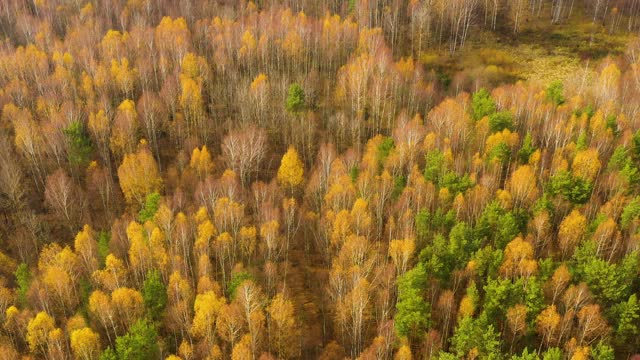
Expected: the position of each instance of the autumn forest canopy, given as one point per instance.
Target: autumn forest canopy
(319, 179)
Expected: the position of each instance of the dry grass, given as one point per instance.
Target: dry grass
(540, 53)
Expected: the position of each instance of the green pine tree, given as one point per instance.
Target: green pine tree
(154, 294)
(296, 99)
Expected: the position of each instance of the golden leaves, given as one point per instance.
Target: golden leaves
(139, 176)
(291, 171)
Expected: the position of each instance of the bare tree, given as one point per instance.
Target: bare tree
(243, 150)
(12, 189)
(64, 198)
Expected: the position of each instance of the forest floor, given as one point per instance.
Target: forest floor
(308, 293)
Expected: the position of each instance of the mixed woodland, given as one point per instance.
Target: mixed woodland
(319, 179)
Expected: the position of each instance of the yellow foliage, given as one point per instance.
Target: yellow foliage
(191, 97)
(206, 308)
(572, 229)
(467, 307)
(139, 176)
(547, 322)
(38, 331)
(128, 304)
(283, 323)
(85, 344)
(519, 259)
(361, 217)
(173, 36)
(112, 44)
(193, 66)
(248, 44)
(158, 249)
(404, 353)
(400, 252)
(248, 240)
(292, 44)
(586, 164)
(505, 136)
(114, 273)
(259, 82)
(205, 233)
(291, 171)
(201, 161)
(86, 246)
(123, 76)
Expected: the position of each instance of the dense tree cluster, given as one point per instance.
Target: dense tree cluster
(293, 179)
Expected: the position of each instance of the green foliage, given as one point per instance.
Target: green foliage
(573, 188)
(546, 268)
(631, 174)
(438, 221)
(472, 293)
(237, 279)
(109, 354)
(533, 297)
(412, 315)
(443, 256)
(580, 192)
(476, 333)
(500, 121)
(446, 356)
(602, 351)
(423, 223)
(443, 220)
(150, 207)
(621, 160)
(554, 92)
(612, 124)
(140, 342)
(154, 294)
(581, 143)
(588, 110)
(507, 230)
(79, 143)
(618, 158)
(526, 355)
(23, 279)
(456, 184)
(499, 295)
(497, 225)
(443, 77)
(435, 166)
(384, 149)
(610, 283)
(527, 149)
(482, 104)
(354, 172)
(352, 5)
(630, 212)
(295, 99)
(103, 246)
(593, 225)
(488, 261)
(635, 146)
(399, 183)
(85, 292)
(553, 353)
(543, 203)
(500, 153)
(627, 316)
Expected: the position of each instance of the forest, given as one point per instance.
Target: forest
(319, 179)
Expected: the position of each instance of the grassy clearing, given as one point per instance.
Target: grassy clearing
(541, 52)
